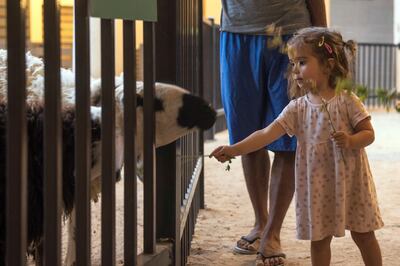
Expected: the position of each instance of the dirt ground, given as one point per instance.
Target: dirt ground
(228, 214)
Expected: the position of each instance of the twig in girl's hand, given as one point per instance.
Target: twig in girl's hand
(195, 156)
(325, 108)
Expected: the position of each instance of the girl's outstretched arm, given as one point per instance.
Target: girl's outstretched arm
(254, 142)
(363, 136)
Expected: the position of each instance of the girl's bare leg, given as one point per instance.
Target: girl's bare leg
(321, 252)
(369, 247)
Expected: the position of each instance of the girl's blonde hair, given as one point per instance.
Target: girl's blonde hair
(324, 44)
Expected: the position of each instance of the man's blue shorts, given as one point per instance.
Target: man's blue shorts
(253, 86)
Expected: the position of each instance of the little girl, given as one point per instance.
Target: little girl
(334, 186)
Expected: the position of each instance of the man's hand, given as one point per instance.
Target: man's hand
(223, 153)
(341, 139)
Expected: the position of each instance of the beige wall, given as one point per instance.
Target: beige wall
(36, 34)
(36, 18)
(95, 45)
(36, 30)
(212, 8)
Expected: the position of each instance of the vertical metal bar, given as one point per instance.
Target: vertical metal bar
(365, 74)
(82, 133)
(185, 45)
(380, 66)
(52, 135)
(186, 28)
(357, 69)
(392, 67)
(368, 69)
(149, 152)
(394, 48)
(168, 196)
(191, 57)
(200, 79)
(178, 201)
(182, 44)
(186, 240)
(130, 184)
(107, 143)
(16, 182)
(385, 74)
(374, 67)
(214, 69)
(186, 170)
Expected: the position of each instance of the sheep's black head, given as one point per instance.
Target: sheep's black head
(180, 113)
(195, 112)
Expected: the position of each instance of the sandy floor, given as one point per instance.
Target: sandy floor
(228, 214)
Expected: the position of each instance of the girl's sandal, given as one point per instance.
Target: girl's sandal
(273, 260)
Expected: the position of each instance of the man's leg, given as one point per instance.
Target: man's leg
(241, 56)
(256, 167)
(281, 193)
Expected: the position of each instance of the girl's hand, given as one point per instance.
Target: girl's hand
(223, 153)
(341, 139)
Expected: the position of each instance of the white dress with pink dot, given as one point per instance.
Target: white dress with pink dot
(334, 187)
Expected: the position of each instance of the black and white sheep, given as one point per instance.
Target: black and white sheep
(177, 112)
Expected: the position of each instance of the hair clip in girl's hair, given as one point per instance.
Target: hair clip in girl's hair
(328, 48)
(322, 41)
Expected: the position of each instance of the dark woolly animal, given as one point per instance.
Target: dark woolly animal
(35, 118)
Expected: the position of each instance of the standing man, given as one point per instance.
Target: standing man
(254, 92)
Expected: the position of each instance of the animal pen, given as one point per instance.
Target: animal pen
(173, 184)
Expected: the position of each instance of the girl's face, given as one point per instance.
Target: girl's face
(307, 71)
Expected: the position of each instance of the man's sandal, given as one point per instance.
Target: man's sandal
(247, 246)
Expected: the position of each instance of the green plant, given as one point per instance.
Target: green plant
(349, 86)
(361, 91)
(386, 97)
(346, 85)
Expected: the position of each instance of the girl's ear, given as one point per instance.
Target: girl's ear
(328, 66)
(331, 64)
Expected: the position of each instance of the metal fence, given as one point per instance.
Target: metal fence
(376, 68)
(174, 183)
(179, 49)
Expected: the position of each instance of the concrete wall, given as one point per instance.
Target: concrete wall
(396, 21)
(364, 20)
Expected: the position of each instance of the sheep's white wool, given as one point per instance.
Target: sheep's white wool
(35, 79)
